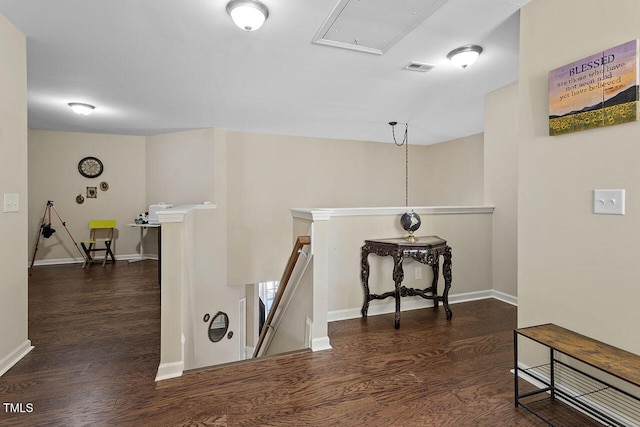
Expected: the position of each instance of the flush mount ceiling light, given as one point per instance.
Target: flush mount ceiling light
(82, 109)
(464, 56)
(248, 15)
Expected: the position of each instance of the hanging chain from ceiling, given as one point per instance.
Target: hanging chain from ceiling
(405, 142)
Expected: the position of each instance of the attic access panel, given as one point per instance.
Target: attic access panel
(373, 26)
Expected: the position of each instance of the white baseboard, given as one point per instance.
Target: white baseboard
(248, 352)
(415, 303)
(320, 344)
(63, 261)
(170, 370)
(501, 296)
(58, 261)
(14, 357)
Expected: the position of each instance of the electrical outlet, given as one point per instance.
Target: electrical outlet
(418, 273)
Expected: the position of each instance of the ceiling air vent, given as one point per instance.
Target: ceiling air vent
(417, 66)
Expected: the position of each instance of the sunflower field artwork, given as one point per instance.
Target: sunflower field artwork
(599, 90)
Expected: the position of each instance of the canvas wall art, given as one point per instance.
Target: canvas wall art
(599, 90)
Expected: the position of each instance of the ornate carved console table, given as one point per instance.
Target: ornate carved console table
(426, 250)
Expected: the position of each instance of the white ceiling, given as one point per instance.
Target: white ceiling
(160, 66)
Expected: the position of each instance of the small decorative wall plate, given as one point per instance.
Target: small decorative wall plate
(104, 185)
(92, 192)
(79, 199)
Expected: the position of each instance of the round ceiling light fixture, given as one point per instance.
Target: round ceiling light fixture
(464, 56)
(248, 15)
(81, 108)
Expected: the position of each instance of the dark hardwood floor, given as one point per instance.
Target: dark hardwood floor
(96, 338)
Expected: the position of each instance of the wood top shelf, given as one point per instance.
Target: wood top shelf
(619, 363)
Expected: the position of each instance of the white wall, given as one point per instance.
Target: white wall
(171, 306)
(576, 269)
(13, 180)
(53, 175)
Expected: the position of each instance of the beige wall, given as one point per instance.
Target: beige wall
(205, 291)
(576, 269)
(454, 172)
(501, 184)
(13, 180)
(269, 174)
(179, 167)
(182, 168)
(257, 178)
(469, 236)
(53, 175)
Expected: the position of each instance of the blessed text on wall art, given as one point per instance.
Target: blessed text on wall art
(600, 90)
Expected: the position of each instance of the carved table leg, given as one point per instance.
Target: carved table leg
(398, 276)
(446, 272)
(364, 277)
(435, 266)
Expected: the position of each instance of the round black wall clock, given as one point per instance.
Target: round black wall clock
(90, 167)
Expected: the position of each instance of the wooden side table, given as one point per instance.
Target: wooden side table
(426, 250)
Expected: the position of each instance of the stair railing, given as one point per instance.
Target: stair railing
(269, 325)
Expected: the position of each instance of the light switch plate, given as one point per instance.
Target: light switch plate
(11, 203)
(608, 202)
